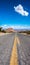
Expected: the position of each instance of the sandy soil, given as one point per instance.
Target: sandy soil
(3, 34)
(24, 33)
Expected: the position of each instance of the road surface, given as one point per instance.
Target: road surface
(6, 45)
(23, 49)
(19, 49)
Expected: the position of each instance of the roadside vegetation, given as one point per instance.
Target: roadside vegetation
(27, 32)
(2, 30)
(9, 30)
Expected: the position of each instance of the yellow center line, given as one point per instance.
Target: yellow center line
(14, 60)
(14, 56)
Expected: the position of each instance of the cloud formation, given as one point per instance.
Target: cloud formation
(19, 9)
(16, 26)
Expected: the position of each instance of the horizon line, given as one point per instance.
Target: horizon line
(5, 26)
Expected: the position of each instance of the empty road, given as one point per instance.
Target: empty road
(16, 47)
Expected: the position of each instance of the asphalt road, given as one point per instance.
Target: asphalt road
(23, 48)
(6, 45)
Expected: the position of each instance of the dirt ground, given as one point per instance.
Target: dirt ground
(3, 34)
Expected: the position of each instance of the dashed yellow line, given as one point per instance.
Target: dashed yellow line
(14, 56)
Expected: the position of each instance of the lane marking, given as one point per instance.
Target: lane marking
(18, 40)
(14, 55)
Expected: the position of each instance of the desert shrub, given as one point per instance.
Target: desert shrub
(28, 32)
(0, 29)
(3, 31)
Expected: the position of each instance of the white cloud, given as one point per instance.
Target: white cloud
(16, 26)
(5, 26)
(21, 10)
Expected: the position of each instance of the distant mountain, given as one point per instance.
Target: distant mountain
(22, 29)
(10, 30)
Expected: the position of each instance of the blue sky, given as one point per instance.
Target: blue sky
(15, 13)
